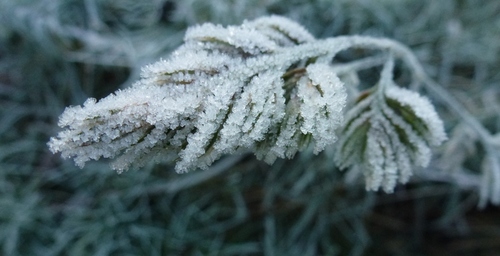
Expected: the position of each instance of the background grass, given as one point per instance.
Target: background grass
(55, 53)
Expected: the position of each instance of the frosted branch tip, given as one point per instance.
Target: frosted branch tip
(267, 87)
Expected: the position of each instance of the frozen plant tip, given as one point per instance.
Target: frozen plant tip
(268, 87)
(388, 132)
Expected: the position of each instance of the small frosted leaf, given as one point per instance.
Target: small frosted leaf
(420, 108)
(312, 114)
(185, 69)
(260, 106)
(118, 123)
(323, 98)
(243, 38)
(389, 139)
(283, 31)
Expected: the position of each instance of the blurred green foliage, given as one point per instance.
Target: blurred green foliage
(55, 53)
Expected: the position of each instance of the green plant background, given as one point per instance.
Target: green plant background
(55, 53)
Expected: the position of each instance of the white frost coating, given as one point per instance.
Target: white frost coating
(258, 108)
(323, 96)
(206, 63)
(283, 31)
(381, 168)
(242, 37)
(112, 125)
(423, 109)
(267, 87)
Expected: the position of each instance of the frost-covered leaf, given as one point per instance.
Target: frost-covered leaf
(130, 120)
(233, 39)
(312, 114)
(389, 132)
(282, 30)
(322, 96)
